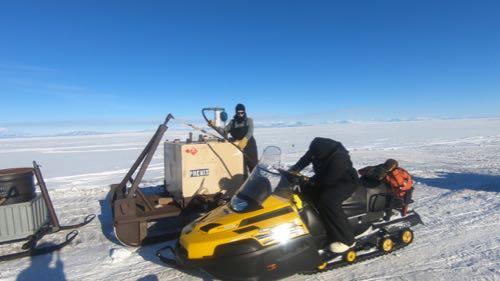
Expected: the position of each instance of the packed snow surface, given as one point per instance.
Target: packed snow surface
(456, 165)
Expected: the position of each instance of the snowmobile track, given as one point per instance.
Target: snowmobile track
(359, 259)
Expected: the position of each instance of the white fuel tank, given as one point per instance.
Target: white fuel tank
(204, 167)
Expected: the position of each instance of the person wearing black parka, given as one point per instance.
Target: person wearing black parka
(333, 182)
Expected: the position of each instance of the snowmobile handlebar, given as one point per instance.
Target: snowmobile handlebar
(295, 177)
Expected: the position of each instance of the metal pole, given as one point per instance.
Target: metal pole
(137, 162)
(143, 154)
(154, 144)
(46, 197)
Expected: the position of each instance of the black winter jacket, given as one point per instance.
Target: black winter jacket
(331, 164)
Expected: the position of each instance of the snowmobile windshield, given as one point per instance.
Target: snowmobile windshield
(262, 182)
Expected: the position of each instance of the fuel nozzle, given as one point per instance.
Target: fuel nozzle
(219, 117)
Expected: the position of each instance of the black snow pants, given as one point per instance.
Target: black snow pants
(251, 157)
(329, 205)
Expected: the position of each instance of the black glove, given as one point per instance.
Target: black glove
(296, 177)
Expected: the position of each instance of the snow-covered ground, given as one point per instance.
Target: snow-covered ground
(456, 164)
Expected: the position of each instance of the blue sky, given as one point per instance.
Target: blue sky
(131, 62)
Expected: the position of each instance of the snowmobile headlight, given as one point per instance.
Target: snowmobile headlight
(280, 234)
(238, 204)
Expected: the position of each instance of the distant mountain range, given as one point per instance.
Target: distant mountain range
(6, 133)
(13, 134)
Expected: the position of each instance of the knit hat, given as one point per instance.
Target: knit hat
(239, 107)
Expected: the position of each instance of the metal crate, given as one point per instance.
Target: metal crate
(20, 220)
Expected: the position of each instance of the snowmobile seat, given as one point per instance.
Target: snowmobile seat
(369, 182)
(366, 204)
(356, 203)
(377, 196)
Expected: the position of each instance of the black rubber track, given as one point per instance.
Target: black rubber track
(360, 258)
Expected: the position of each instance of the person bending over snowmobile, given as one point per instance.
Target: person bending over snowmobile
(334, 181)
(241, 129)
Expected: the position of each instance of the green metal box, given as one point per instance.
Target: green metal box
(20, 220)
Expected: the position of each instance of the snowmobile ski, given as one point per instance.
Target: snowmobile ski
(47, 230)
(42, 250)
(174, 263)
(86, 221)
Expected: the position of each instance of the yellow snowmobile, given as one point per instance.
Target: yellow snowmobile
(270, 230)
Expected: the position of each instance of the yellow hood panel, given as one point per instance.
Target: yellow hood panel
(201, 237)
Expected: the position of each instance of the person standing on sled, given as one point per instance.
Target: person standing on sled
(241, 130)
(334, 181)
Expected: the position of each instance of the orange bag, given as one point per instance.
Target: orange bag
(400, 181)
